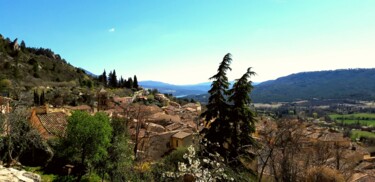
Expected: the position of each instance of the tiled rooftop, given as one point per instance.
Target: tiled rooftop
(55, 123)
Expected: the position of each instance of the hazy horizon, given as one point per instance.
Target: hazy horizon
(183, 42)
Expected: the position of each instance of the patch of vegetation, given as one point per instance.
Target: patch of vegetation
(45, 177)
(364, 119)
(361, 134)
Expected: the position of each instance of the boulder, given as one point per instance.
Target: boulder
(14, 175)
(174, 104)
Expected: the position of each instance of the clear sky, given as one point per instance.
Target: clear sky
(183, 41)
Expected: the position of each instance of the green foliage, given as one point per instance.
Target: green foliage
(91, 178)
(36, 66)
(364, 119)
(20, 135)
(119, 161)
(229, 120)
(87, 138)
(5, 84)
(168, 163)
(358, 134)
(135, 82)
(241, 118)
(112, 79)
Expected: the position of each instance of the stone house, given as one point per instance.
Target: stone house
(181, 139)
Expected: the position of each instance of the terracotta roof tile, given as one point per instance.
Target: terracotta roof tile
(55, 123)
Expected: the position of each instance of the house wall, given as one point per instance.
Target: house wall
(187, 141)
(175, 142)
(184, 142)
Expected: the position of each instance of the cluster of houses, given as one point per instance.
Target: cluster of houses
(319, 143)
(161, 129)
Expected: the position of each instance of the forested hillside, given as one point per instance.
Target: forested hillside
(355, 84)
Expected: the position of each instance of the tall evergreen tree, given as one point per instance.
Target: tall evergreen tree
(42, 98)
(103, 78)
(217, 110)
(110, 75)
(121, 83)
(135, 82)
(229, 120)
(114, 79)
(241, 118)
(36, 98)
(23, 45)
(129, 83)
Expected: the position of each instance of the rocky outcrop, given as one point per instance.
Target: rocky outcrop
(14, 175)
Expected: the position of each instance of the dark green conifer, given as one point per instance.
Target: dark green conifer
(135, 82)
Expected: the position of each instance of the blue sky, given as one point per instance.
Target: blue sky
(183, 41)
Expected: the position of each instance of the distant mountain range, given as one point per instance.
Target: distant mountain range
(177, 90)
(354, 84)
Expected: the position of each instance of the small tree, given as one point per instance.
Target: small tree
(20, 136)
(87, 139)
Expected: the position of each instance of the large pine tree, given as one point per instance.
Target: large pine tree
(241, 118)
(217, 125)
(229, 120)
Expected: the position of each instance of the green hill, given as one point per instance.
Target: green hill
(353, 84)
(356, 84)
(25, 67)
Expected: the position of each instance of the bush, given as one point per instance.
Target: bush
(65, 179)
(168, 163)
(91, 178)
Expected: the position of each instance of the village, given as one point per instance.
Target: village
(157, 131)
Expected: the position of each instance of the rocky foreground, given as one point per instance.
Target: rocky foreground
(14, 175)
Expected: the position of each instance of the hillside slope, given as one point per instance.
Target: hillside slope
(28, 67)
(358, 84)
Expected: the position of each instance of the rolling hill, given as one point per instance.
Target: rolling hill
(354, 84)
(26, 67)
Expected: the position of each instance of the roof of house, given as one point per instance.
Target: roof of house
(173, 126)
(81, 107)
(332, 137)
(55, 123)
(181, 135)
(102, 90)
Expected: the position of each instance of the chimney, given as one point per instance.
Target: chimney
(46, 107)
(7, 108)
